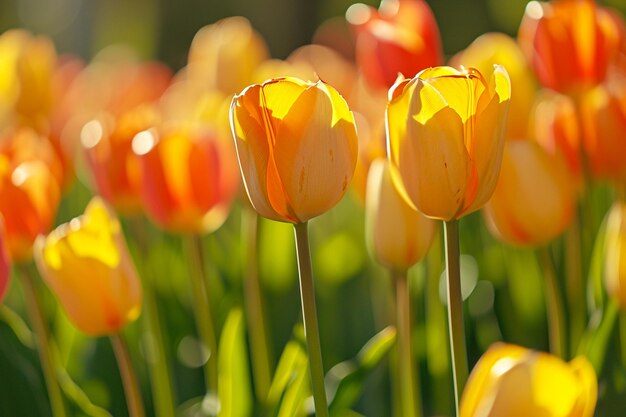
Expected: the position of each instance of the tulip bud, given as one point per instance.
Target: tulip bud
(87, 265)
(570, 43)
(5, 266)
(510, 380)
(401, 37)
(188, 178)
(398, 235)
(445, 133)
(615, 256)
(534, 200)
(297, 147)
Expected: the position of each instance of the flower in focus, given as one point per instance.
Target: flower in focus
(401, 37)
(497, 48)
(398, 235)
(570, 43)
(512, 381)
(297, 147)
(534, 200)
(615, 255)
(29, 198)
(5, 265)
(445, 131)
(87, 265)
(189, 177)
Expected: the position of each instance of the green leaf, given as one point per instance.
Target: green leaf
(234, 390)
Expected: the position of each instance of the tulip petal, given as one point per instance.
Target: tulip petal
(586, 375)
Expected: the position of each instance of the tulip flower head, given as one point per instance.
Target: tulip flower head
(445, 136)
(297, 147)
(87, 265)
(534, 200)
(512, 381)
(5, 266)
(398, 235)
(615, 257)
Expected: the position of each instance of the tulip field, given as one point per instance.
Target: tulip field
(404, 208)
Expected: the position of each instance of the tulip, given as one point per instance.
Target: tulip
(5, 265)
(398, 235)
(512, 381)
(570, 43)
(615, 256)
(297, 147)
(534, 200)
(401, 37)
(497, 48)
(189, 178)
(29, 198)
(87, 265)
(445, 131)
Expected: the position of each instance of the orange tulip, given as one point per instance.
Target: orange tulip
(398, 235)
(570, 43)
(497, 48)
(189, 178)
(5, 266)
(513, 381)
(297, 147)
(401, 37)
(445, 132)
(107, 145)
(87, 265)
(615, 255)
(29, 198)
(534, 200)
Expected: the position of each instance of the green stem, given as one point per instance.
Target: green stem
(48, 364)
(622, 336)
(257, 327)
(160, 375)
(455, 310)
(129, 378)
(575, 283)
(596, 339)
(554, 304)
(309, 316)
(408, 379)
(202, 310)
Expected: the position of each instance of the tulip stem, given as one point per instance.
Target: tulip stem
(202, 310)
(257, 327)
(554, 304)
(597, 336)
(309, 317)
(48, 364)
(408, 379)
(455, 310)
(128, 375)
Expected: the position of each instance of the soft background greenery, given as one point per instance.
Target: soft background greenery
(503, 285)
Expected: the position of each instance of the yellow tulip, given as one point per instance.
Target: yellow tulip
(615, 257)
(534, 200)
(512, 381)
(445, 132)
(297, 147)
(398, 235)
(87, 265)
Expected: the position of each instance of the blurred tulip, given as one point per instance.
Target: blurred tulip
(615, 255)
(398, 235)
(401, 37)
(445, 131)
(29, 198)
(87, 265)
(499, 49)
(556, 127)
(225, 55)
(5, 265)
(297, 147)
(534, 200)
(570, 43)
(513, 381)
(189, 178)
(107, 146)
